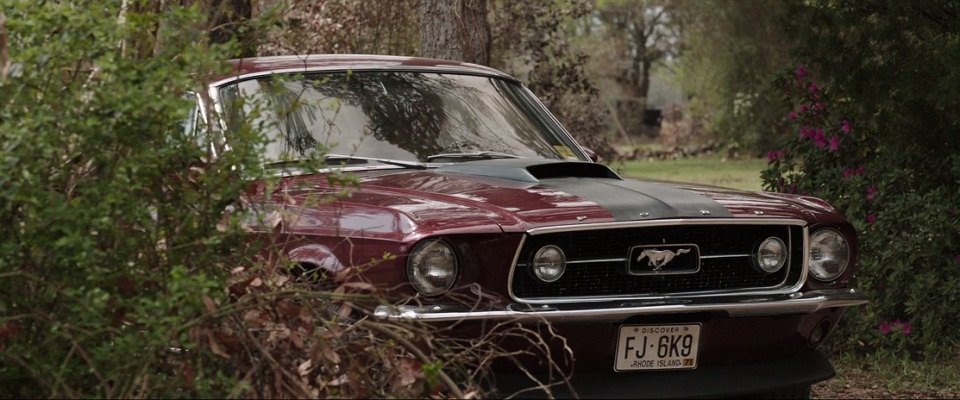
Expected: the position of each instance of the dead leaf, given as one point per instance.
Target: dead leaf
(331, 355)
(288, 308)
(253, 316)
(306, 316)
(215, 346)
(345, 310)
(297, 339)
(305, 368)
(209, 304)
(256, 282)
(408, 371)
(339, 380)
(188, 373)
(237, 270)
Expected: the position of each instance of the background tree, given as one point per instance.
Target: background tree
(455, 30)
(536, 42)
(341, 27)
(731, 54)
(638, 35)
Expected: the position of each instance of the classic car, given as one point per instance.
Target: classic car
(660, 289)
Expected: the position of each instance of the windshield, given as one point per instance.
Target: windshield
(412, 116)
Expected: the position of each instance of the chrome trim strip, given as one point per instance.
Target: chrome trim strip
(735, 306)
(771, 290)
(516, 258)
(604, 260)
(610, 260)
(666, 222)
(365, 68)
(725, 256)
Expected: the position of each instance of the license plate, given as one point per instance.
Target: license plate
(657, 347)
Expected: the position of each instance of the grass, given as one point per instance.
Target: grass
(714, 170)
(888, 375)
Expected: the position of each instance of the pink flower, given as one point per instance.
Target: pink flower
(819, 139)
(885, 328)
(845, 127)
(905, 328)
(871, 193)
(871, 219)
(834, 143)
(804, 108)
(812, 87)
(806, 133)
(775, 155)
(792, 115)
(819, 106)
(848, 172)
(800, 72)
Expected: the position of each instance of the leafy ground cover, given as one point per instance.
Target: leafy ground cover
(886, 375)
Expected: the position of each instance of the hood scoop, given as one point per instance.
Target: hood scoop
(531, 170)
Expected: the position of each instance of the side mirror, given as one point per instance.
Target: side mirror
(590, 153)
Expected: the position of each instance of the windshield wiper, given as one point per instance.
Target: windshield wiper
(341, 159)
(473, 155)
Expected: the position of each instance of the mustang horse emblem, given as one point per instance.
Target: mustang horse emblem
(659, 258)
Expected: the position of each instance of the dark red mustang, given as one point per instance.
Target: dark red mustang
(661, 289)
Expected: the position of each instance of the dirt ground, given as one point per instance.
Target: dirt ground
(859, 385)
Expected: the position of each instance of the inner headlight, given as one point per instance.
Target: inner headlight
(771, 255)
(549, 263)
(432, 267)
(829, 254)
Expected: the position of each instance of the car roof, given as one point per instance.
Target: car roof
(242, 68)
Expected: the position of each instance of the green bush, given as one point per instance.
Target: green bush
(125, 269)
(875, 122)
(108, 212)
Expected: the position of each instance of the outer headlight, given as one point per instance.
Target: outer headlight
(432, 267)
(771, 255)
(829, 254)
(549, 263)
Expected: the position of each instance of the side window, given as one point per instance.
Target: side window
(195, 125)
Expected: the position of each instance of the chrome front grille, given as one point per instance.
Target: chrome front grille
(597, 261)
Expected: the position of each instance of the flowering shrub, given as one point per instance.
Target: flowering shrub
(907, 221)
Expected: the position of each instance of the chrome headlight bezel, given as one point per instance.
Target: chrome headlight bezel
(542, 271)
(829, 254)
(769, 245)
(436, 257)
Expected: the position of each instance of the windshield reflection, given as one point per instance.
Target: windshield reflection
(393, 115)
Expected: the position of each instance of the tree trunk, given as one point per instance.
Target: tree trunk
(455, 30)
(228, 18)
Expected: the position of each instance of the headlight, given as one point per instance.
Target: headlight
(829, 254)
(771, 255)
(549, 263)
(432, 267)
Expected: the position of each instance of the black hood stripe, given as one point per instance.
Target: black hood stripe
(636, 200)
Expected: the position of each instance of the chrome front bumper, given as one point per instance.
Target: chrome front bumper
(734, 305)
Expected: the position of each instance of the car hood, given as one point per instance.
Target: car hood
(493, 196)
